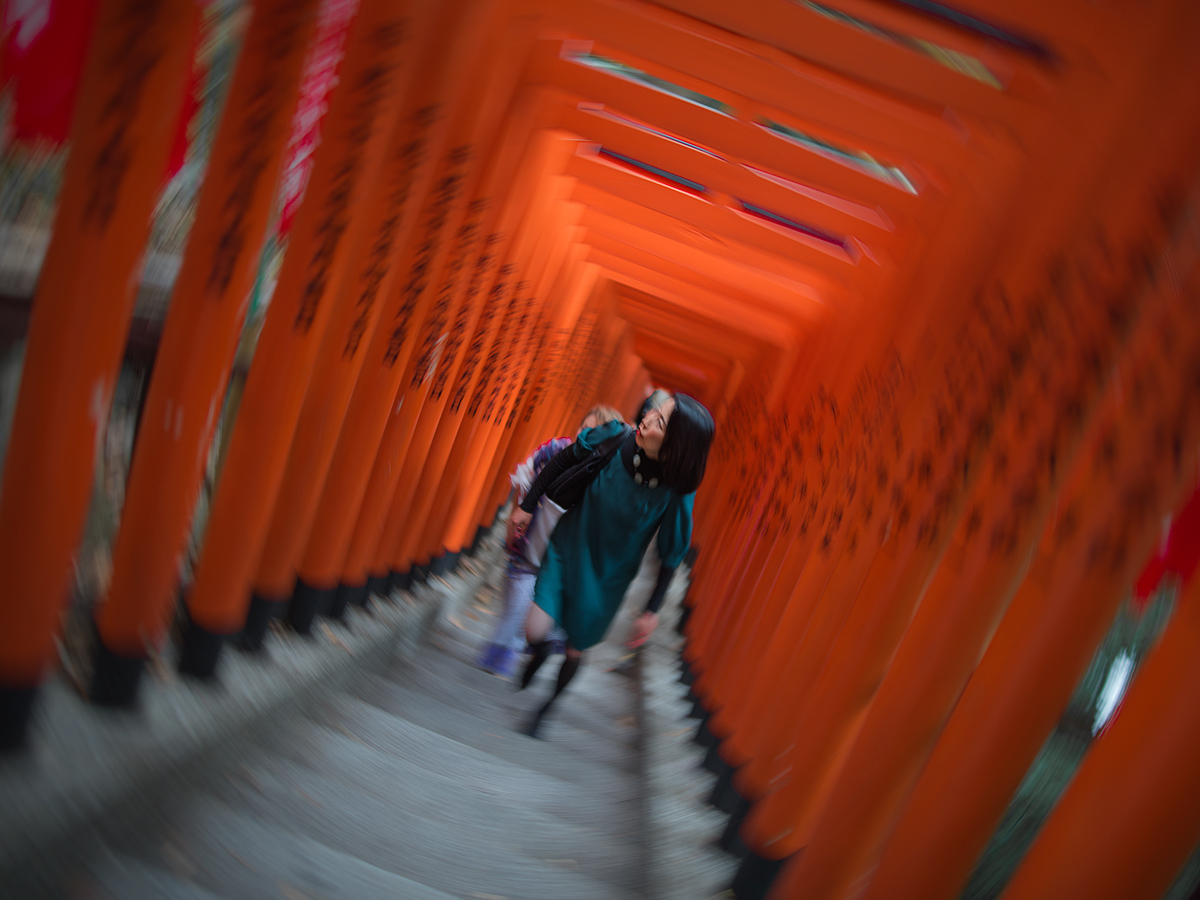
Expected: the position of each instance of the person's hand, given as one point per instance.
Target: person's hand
(518, 521)
(643, 627)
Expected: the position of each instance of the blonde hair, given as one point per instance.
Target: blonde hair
(604, 415)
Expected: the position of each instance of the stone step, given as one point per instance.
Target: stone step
(476, 815)
(511, 759)
(592, 723)
(215, 850)
(436, 831)
(122, 877)
(322, 747)
(409, 782)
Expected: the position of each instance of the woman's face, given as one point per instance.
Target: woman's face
(590, 421)
(653, 429)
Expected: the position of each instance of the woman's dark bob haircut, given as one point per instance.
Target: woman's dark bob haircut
(684, 453)
(655, 401)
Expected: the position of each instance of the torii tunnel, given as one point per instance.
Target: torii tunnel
(932, 267)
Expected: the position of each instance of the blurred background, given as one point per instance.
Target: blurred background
(334, 268)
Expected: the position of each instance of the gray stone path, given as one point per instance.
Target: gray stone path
(395, 770)
(410, 783)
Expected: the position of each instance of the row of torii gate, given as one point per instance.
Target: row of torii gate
(933, 268)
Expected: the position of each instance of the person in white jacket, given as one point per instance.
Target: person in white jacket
(503, 651)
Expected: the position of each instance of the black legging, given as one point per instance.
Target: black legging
(570, 665)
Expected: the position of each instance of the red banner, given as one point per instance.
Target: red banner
(1179, 554)
(45, 43)
(320, 75)
(191, 105)
(45, 47)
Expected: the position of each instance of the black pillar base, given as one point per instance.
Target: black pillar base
(725, 795)
(323, 600)
(115, 678)
(714, 762)
(450, 561)
(755, 876)
(16, 712)
(401, 581)
(477, 540)
(379, 586)
(200, 651)
(420, 574)
(685, 613)
(704, 737)
(731, 837)
(258, 620)
(351, 595)
(437, 565)
(698, 710)
(302, 610)
(687, 676)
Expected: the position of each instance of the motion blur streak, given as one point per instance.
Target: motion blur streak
(288, 290)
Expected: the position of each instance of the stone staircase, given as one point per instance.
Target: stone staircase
(374, 760)
(411, 782)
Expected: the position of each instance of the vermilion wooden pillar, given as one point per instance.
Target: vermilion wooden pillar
(533, 419)
(563, 260)
(1056, 619)
(353, 142)
(436, 536)
(406, 442)
(389, 216)
(545, 262)
(198, 343)
(960, 607)
(888, 599)
(783, 575)
(1130, 817)
(447, 243)
(369, 534)
(848, 815)
(812, 586)
(471, 437)
(492, 332)
(456, 428)
(132, 88)
(413, 518)
(506, 453)
(391, 348)
(423, 532)
(437, 418)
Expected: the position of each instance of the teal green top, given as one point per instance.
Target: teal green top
(598, 545)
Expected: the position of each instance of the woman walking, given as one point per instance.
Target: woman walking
(525, 552)
(649, 485)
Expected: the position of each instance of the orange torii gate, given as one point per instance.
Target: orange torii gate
(933, 268)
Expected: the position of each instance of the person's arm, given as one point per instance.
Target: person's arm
(527, 471)
(523, 477)
(644, 625)
(559, 463)
(547, 472)
(674, 538)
